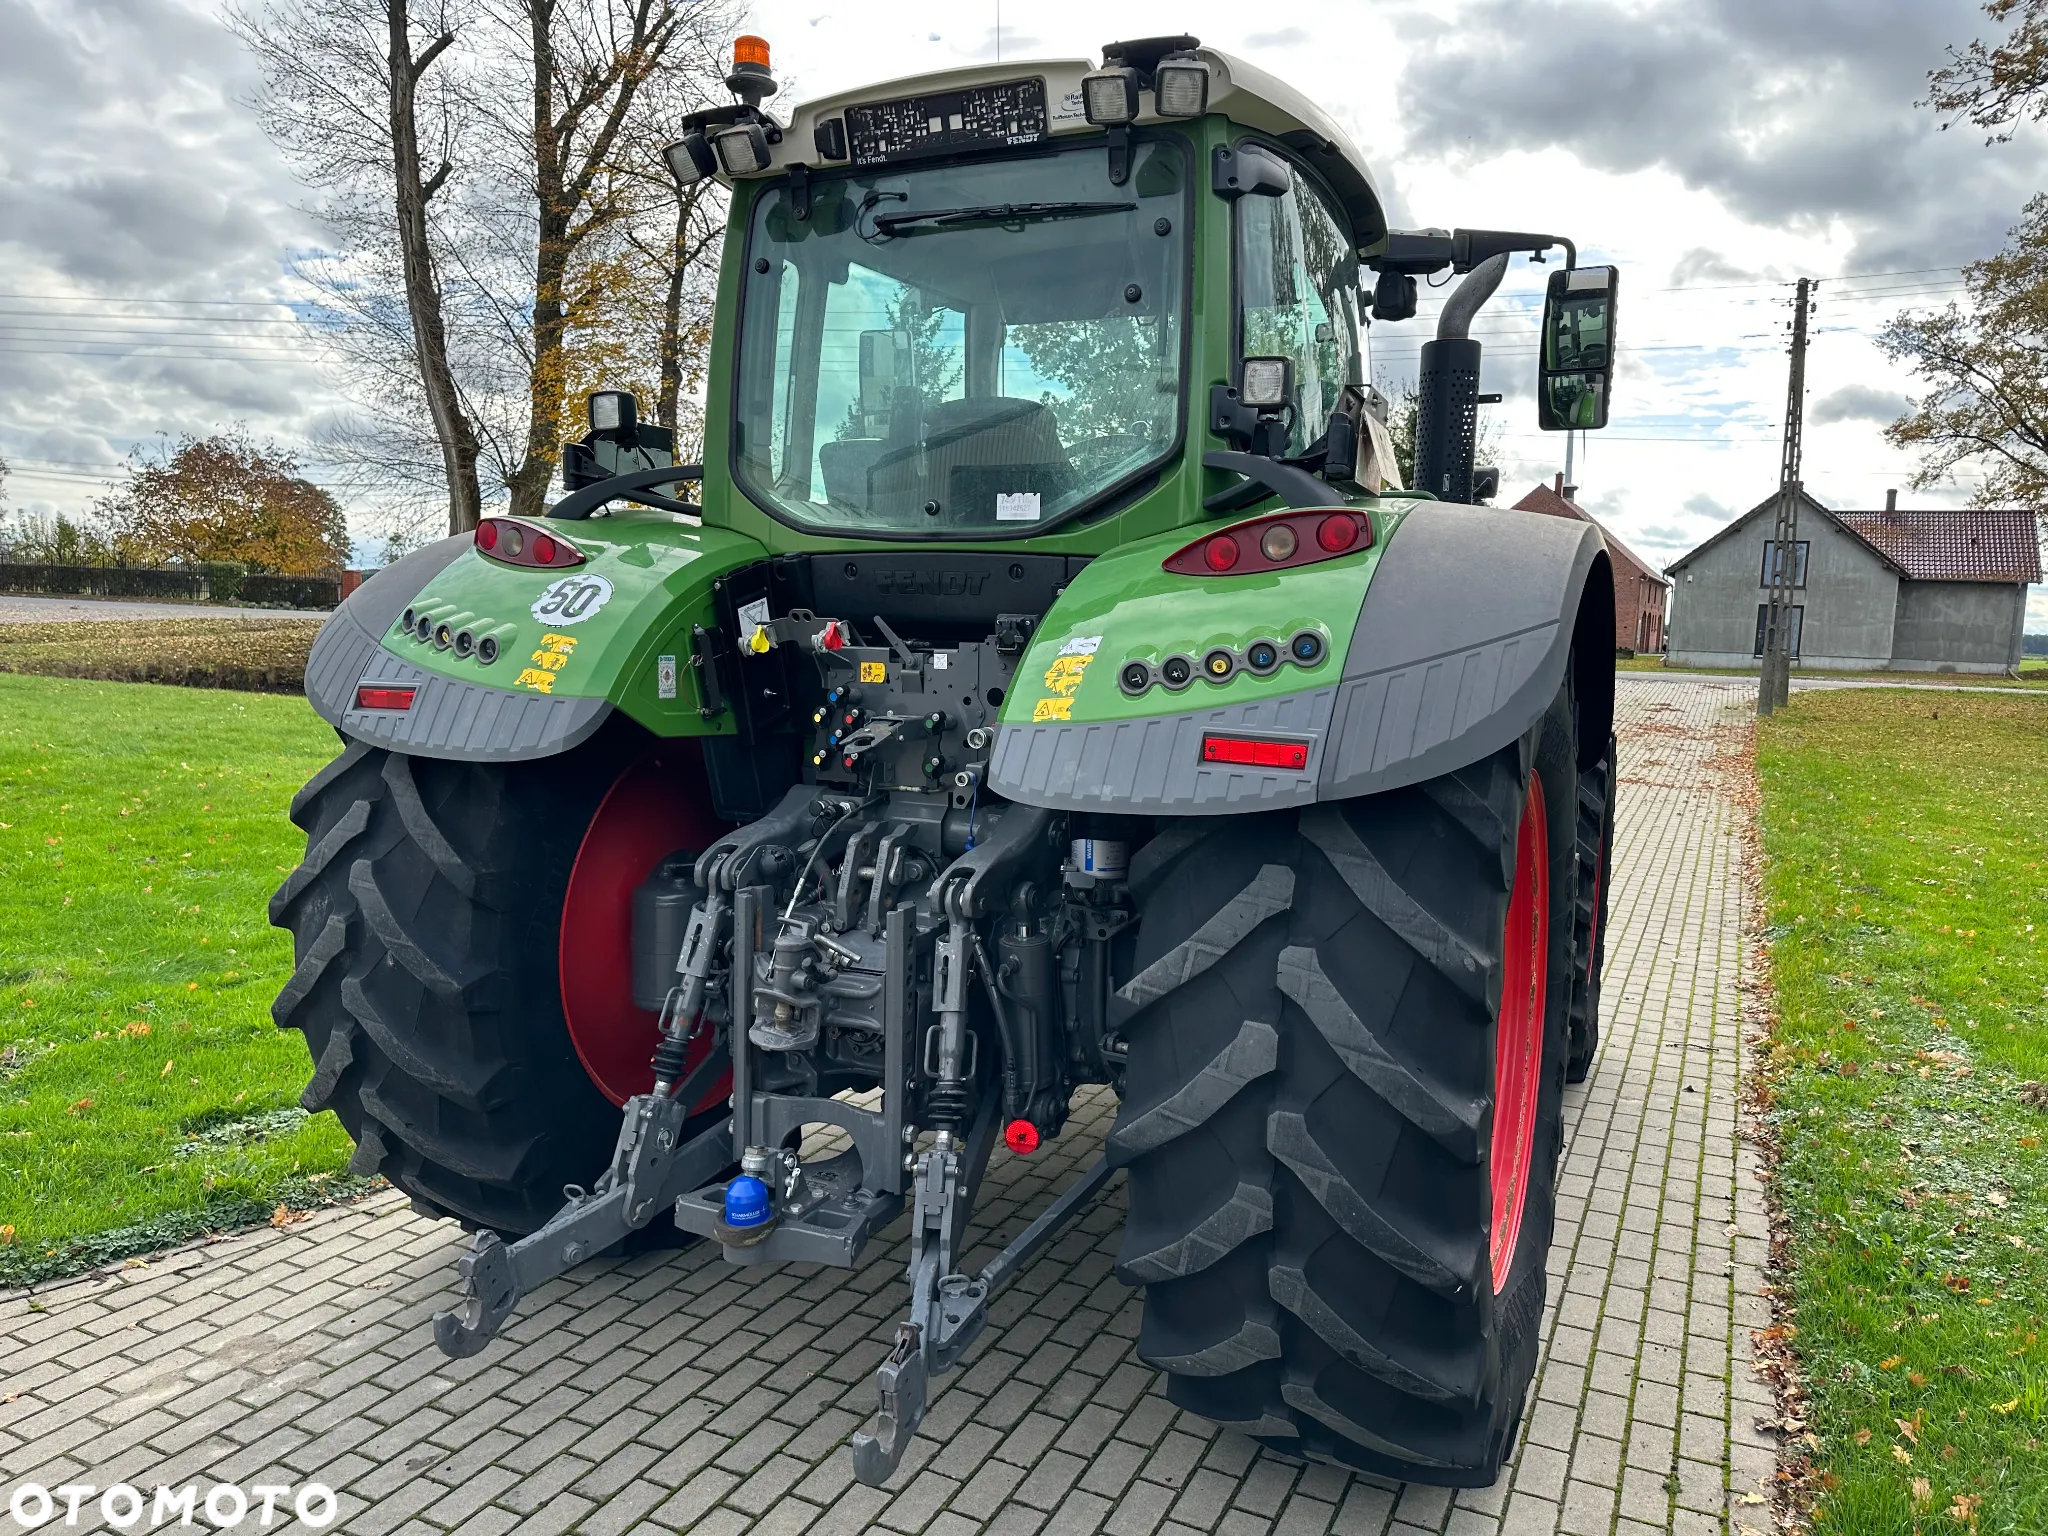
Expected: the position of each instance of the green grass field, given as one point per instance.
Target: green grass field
(1907, 892)
(145, 1096)
(2033, 673)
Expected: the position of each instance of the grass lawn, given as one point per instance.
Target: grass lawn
(145, 1095)
(1907, 896)
(265, 655)
(2033, 674)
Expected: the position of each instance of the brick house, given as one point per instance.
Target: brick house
(1915, 591)
(1640, 590)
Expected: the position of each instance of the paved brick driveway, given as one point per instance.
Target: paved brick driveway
(679, 1394)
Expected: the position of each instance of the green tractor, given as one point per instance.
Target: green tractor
(1043, 681)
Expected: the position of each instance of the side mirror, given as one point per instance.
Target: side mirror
(1578, 349)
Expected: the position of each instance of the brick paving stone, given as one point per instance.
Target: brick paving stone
(669, 1392)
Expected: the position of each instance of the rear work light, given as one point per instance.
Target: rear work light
(1255, 751)
(1275, 543)
(373, 696)
(509, 540)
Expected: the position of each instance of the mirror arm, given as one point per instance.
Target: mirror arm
(580, 504)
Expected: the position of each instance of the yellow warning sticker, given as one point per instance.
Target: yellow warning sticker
(1064, 676)
(874, 672)
(1053, 709)
(552, 655)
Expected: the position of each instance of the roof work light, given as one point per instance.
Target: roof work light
(1180, 86)
(690, 159)
(1110, 96)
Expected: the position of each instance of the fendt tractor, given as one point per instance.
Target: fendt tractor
(1043, 681)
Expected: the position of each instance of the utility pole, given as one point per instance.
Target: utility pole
(1774, 682)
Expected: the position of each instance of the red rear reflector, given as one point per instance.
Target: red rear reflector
(1220, 553)
(1254, 752)
(1021, 1137)
(384, 698)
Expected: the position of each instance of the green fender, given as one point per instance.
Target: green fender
(570, 646)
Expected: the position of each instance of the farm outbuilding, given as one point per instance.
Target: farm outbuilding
(1938, 590)
(1639, 590)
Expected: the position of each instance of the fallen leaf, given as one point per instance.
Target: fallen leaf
(2006, 1407)
(1899, 1455)
(6, 1235)
(1908, 1429)
(1994, 1197)
(1915, 1380)
(1923, 1491)
(1863, 1437)
(167, 1068)
(1889, 1365)
(79, 1107)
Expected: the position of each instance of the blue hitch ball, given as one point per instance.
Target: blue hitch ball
(746, 1202)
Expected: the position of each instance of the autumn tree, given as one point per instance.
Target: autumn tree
(1996, 87)
(1985, 361)
(225, 497)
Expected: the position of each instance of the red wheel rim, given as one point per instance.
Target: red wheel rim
(659, 806)
(1518, 1040)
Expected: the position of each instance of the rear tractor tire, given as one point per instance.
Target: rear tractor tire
(1347, 1031)
(1595, 837)
(436, 941)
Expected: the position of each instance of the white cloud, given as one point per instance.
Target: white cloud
(1711, 148)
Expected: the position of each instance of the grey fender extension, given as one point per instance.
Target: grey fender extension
(1459, 648)
(450, 717)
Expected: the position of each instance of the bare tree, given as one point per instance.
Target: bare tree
(600, 79)
(347, 88)
(506, 236)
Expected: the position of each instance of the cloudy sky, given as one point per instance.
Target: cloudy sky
(1714, 149)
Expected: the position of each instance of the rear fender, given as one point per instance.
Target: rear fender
(1447, 641)
(1473, 619)
(559, 674)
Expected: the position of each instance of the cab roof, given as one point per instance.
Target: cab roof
(1240, 91)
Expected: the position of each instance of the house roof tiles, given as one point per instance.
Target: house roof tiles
(1955, 544)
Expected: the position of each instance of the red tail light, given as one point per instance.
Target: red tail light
(370, 696)
(513, 542)
(1275, 543)
(1021, 1137)
(1255, 751)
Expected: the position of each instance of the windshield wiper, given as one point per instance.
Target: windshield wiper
(997, 213)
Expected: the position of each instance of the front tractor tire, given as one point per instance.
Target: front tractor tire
(1347, 1032)
(435, 941)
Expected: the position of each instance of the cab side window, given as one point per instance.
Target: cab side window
(1297, 285)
